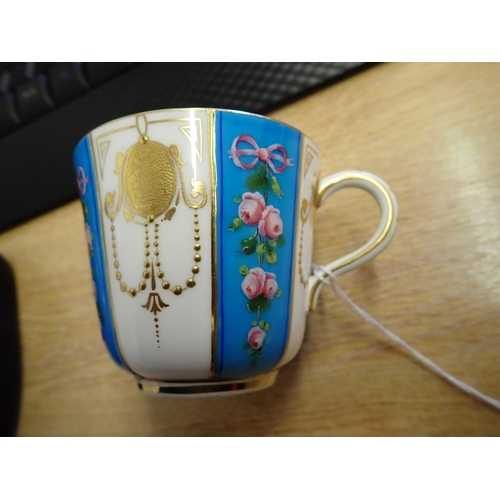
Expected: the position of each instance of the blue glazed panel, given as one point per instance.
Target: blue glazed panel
(236, 357)
(93, 230)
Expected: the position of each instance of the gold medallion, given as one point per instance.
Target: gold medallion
(149, 178)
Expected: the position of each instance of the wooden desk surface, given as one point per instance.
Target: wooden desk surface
(432, 131)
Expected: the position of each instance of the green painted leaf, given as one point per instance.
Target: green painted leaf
(272, 243)
(85, 211)
(265, 304)
(261, 248)
(266, 185)
(280, 241)
(254, 182)
(266, 327)
(261, 169)
(248, 245)
(261, 302)
(237, 222)
(278, 293)
(253, 305)
(262, 323)
(237, 199)
(271, 256)
(254, 323)
(244, 270)
(248, 242)
(276, 187)
(246, 345)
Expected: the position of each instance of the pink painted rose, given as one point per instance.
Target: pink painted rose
(251, 208)
(256, 337)
(253, 283)
(257, 281)
(88, 235)
(270, 224)
(270, 286)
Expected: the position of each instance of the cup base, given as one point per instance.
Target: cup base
(207, 389)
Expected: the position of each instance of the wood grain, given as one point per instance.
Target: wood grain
(432, 132)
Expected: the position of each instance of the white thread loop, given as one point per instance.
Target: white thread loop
(329, 279)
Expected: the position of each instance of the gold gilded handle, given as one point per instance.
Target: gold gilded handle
(388, 218)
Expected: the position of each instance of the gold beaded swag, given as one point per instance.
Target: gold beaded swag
(147, 186)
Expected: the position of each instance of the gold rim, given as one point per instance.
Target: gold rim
(208, 388)
(236, 111)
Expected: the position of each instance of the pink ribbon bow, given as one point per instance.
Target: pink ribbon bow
(266, 155)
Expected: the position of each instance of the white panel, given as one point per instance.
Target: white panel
(185, 326)
(309, 171)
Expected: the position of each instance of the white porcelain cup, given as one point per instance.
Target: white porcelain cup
(199, 228)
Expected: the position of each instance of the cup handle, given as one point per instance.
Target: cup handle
(388, 218)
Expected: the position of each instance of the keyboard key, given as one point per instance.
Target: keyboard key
(32, 98)
(98, 71)
(18, 74)
(66, 80)
(8, 117)
(42, 67)
(4, 66)
(4, 80)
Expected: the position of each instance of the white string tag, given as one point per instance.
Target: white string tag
(329, 279)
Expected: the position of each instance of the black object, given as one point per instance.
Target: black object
(32, 98)
(10, 353)
(66, 80)
(46, 108)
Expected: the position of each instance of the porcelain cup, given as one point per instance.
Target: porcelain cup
(199, 225)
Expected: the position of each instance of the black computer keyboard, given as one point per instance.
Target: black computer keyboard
(45, 109)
